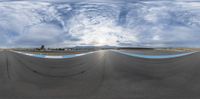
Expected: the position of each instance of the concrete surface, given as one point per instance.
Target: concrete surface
(100, 75)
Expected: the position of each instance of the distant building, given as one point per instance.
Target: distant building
(42, 47)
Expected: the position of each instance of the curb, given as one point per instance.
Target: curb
(155, 56)
(53, 57)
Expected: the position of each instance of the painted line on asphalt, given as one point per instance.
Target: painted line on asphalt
(155, 56)
(53, 57)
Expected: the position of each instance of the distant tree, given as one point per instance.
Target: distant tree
(37, 49)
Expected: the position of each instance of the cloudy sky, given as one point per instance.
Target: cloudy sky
(116, 23)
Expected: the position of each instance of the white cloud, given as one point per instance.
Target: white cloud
(95, 29)
(43, 33)
(31, 23)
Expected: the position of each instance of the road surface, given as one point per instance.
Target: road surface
(100, 75)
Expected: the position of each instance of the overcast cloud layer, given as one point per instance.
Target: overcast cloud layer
(143, 23)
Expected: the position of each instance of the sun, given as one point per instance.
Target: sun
(101, 42)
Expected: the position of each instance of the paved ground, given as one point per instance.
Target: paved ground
(101, 75)
(154, 52)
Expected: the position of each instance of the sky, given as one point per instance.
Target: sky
(130, 23)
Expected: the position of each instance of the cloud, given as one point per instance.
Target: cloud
(47, 34)
(141, 23)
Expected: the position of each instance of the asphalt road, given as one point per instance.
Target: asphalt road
(100, 75)
(153, 52)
